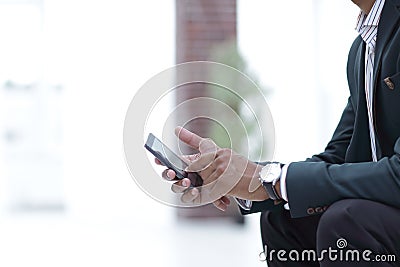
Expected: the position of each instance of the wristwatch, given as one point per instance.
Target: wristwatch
(269, 175)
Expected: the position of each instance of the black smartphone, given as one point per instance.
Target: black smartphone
(171, 160)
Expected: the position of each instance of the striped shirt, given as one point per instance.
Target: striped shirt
(367, 27)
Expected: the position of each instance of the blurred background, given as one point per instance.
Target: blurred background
(68, 71)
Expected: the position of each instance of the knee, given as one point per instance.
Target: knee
(339, 218)
(336, 213)
(342, 212)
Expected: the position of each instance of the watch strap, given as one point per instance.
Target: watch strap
(270, 186)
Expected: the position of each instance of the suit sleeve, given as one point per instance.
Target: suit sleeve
(318, 182)
(334, 153)
(314, 185)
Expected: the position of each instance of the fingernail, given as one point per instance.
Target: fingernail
(185, 183)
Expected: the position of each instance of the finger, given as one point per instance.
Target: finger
(158, 162)
(190, 158)
(191, 196)
(221, 205)
(188, 137)
(180, 186)
(168, 174)
(226, 200)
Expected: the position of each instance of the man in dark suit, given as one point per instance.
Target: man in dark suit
(348, 197)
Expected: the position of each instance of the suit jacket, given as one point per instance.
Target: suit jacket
(345, 169)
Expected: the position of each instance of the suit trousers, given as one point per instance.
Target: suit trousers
(351, 232)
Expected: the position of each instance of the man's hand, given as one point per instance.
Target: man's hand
(183, 185)
(208, 149)
(223, 171)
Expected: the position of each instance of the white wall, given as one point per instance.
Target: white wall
(102, 52)
(299, 50)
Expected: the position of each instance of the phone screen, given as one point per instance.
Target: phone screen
(167, 153)
(171, 160)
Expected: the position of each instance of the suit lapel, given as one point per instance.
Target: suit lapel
(389, 19)
(359, 148)
(360, 73)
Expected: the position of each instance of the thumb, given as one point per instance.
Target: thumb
(202, 162)
(207, 145)
(208, 151)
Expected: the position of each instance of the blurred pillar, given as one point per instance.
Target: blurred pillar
(201, 25)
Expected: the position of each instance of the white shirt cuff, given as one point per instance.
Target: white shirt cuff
(244, 203)
(283, 185)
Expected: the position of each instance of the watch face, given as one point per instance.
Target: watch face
(270, 172)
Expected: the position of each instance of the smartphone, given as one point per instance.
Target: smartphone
(171, 160)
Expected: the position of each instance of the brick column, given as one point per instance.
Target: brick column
(200, 26)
